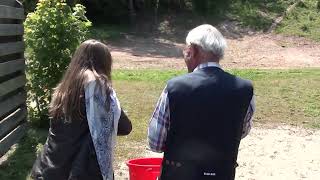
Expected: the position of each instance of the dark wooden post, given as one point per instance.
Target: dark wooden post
(13, 111)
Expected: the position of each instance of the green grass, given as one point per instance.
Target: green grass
(21, 157)
(257, 14)
(283, 96)
(290, 97)
(304, 21)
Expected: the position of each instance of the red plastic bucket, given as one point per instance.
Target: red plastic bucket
(144, 168)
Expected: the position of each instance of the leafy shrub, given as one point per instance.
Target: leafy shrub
(52, 33)
(30, 5)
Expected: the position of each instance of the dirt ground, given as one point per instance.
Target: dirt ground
(281, 153)
(259, 50)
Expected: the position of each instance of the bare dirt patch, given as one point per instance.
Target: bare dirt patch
(257, 50)
(271, 51)
(279, 153)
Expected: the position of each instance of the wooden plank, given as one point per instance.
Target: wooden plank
(12, 138)
(12, 66)
(11, 29)
(7, 12)
(11, 121)
(11, 103)
(12, 84)
(8, 2)
(11, 48)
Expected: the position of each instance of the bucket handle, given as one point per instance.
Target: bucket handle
(149, 169)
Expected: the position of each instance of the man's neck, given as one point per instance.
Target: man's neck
(208, 57)
(207, 64)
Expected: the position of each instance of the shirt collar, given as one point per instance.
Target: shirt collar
(207, 64)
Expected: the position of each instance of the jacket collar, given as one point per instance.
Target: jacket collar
(207, 64)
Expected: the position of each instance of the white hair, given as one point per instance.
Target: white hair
(208, 38)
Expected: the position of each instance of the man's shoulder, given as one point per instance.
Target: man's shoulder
(181, 80)
(240, 81)
(188, 80)
(244, 82)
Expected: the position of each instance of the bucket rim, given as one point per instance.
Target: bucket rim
(129, 163)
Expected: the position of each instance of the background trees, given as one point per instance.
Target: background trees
(111, 10)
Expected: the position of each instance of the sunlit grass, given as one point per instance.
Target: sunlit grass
(303, 21)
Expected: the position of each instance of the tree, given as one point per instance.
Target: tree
(52, 33)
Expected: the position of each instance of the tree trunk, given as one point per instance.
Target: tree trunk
(178, 4)
(132, 12)
(38, 105)
(156, 9)
(183, 4)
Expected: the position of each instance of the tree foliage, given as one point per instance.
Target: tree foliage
(106, 10)
(118, 11)
(29, 5)
(52, 34)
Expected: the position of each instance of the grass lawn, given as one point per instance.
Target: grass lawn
(303, 21)
(283, 97)
(257, 14)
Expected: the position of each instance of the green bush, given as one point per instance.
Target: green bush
(52, 33)
(30, 5)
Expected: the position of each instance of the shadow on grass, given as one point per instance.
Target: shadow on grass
(108, 32)
(20, 159)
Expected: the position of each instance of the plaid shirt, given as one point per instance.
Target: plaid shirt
(160, 120)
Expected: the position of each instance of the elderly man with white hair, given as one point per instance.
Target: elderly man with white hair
(201, 116)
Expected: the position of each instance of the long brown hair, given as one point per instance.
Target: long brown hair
(68, 96)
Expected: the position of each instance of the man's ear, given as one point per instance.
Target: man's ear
(194, 51)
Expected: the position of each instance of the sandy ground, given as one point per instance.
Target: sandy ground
(248, 51)
(281, 153)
